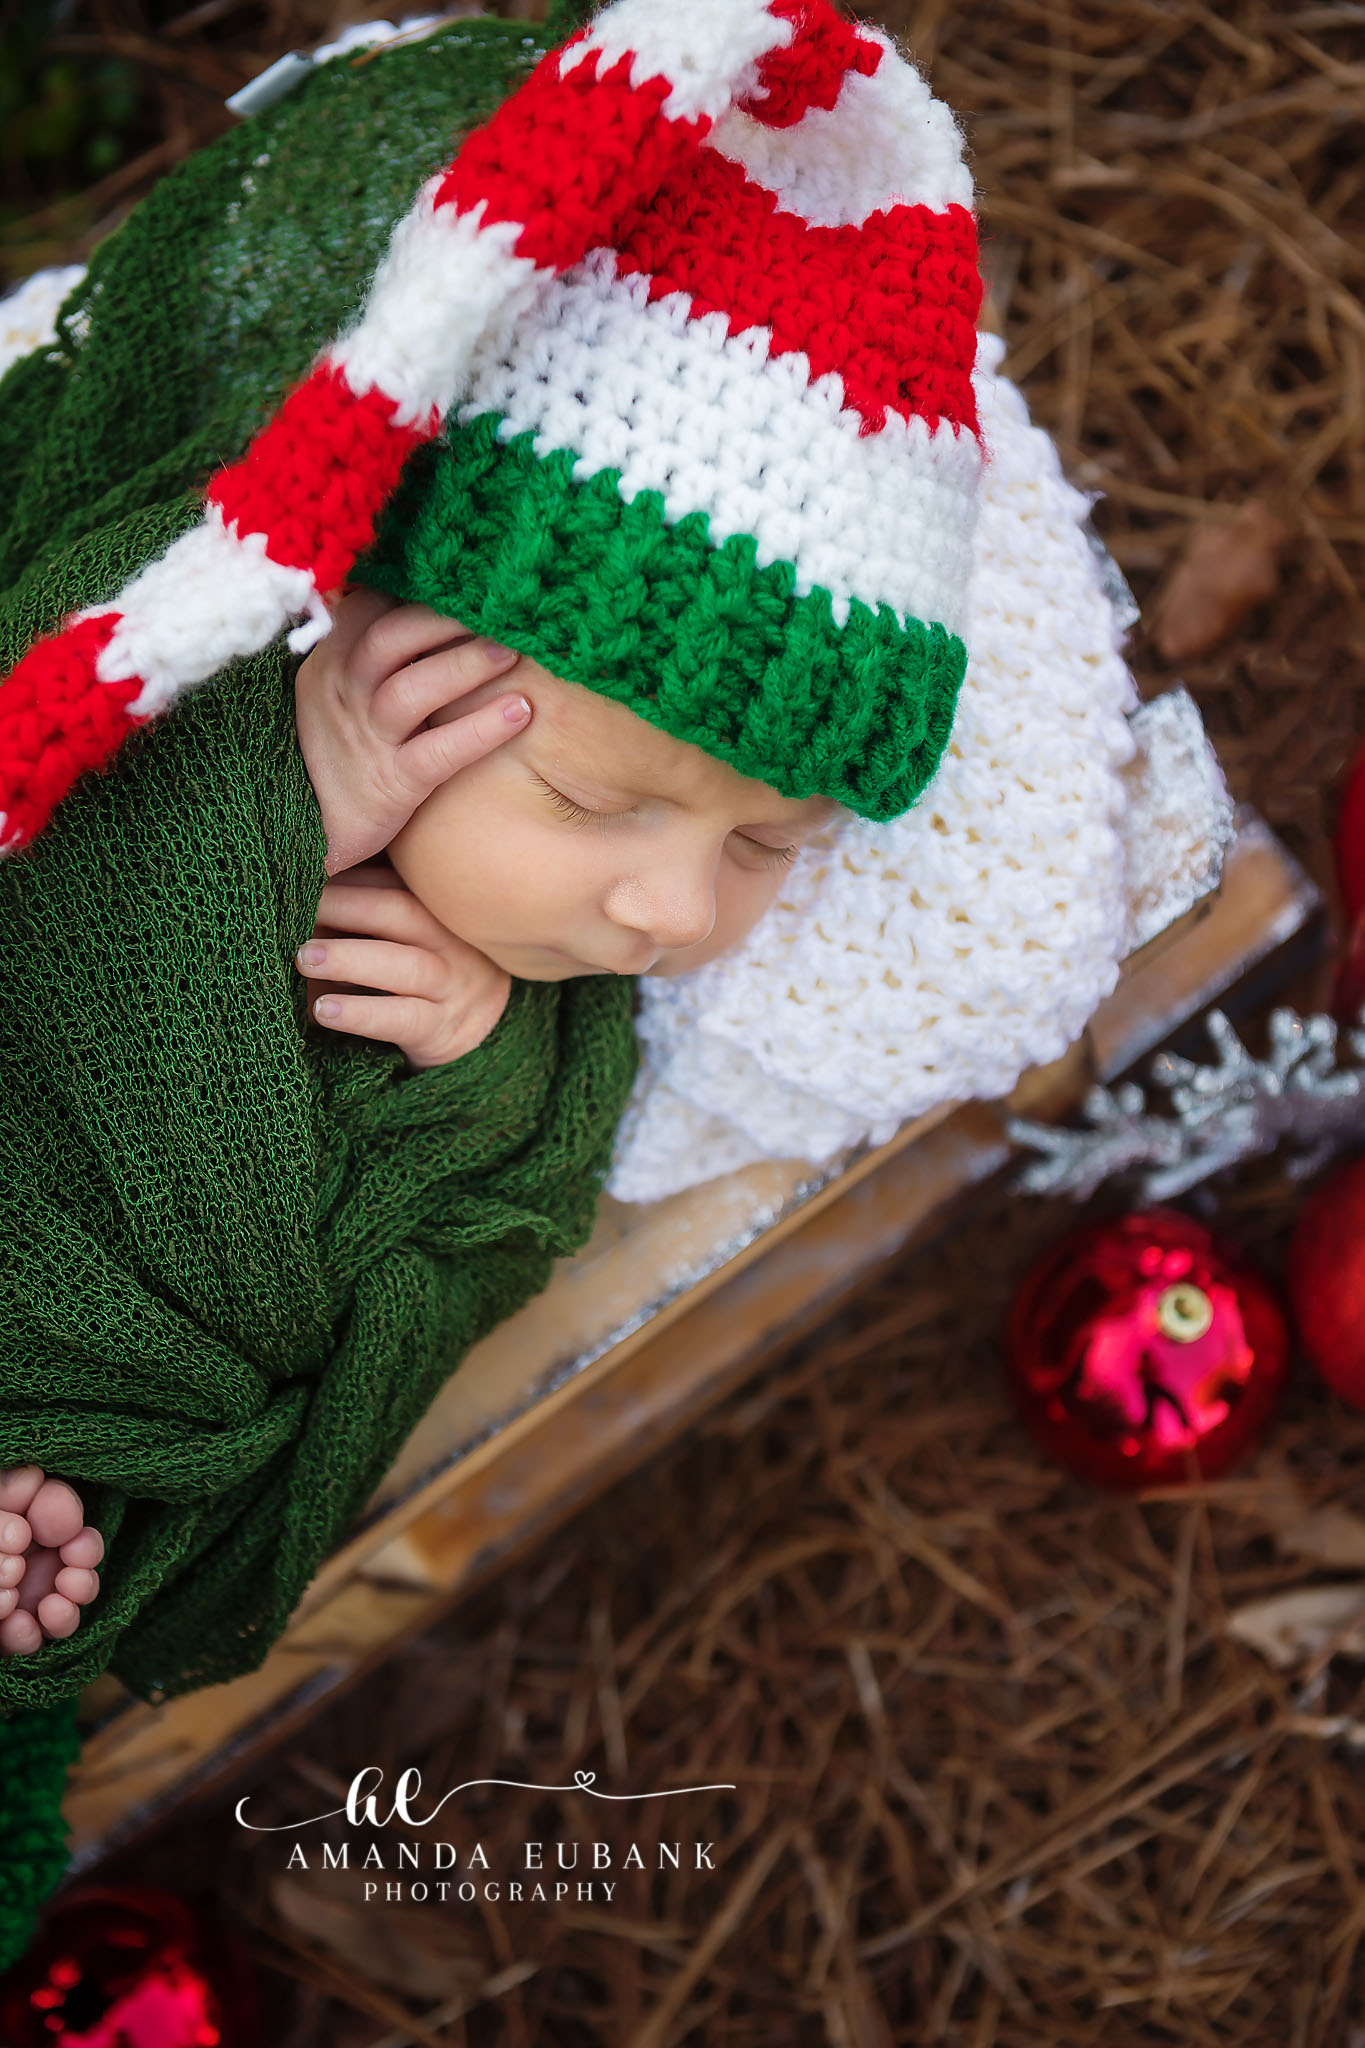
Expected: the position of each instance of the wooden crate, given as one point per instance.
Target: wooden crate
(665, 1310)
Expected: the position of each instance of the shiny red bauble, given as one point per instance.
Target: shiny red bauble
(1326, 1276)
(1349, 847)
(128, 1966)
(1146, 1351)
(1349, 844)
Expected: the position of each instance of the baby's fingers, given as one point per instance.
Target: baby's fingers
(373, 964)
(398, 1020)
(376, 912)
(397, 640)
(353, 613)
(435, 685)
(430, 758)
(367, 874)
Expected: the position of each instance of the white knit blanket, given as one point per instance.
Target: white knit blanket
(933, 958)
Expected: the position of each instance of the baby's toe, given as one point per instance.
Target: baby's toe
(76, 1584)
(86, 1548)
(15, 1535)
(55, 1513)
(20, 1634)
(58, 1615)
(18, 1484)
(11, 1569)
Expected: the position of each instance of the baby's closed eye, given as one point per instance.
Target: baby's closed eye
(583, 814)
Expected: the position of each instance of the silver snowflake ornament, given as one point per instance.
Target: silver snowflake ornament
(1234, 1107)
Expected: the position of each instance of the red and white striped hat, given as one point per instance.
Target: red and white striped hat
(696, 309)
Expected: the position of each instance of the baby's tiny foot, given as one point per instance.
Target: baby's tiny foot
(47, 1555)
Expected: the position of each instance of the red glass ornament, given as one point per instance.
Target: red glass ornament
(1138, 1345)
(1350, 839)
(128, 1966)
(1326, 1275)
(1349, 995)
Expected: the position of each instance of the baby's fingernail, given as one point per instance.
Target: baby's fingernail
(515, 710)
(495, 651)
(326, 1006)
(311, 955)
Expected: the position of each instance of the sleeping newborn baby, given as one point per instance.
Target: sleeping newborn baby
(572, 838)
(716, 461)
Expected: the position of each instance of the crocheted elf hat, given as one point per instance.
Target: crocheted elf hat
(705, 288)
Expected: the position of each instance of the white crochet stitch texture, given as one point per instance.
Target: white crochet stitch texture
(932, 958)
(715, 422)
(884, 135)
(28, 314)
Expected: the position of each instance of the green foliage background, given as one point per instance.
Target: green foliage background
(66, 119)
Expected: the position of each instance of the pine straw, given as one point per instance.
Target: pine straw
(1172, 218)
(1000, 1775)
(1002, 1778)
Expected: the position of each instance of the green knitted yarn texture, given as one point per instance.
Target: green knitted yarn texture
(242, 1254)
(562, 17)
(184, 1179)
(38, 1750)
(211, 300)
(695, 638)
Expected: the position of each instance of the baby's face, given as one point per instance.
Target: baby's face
(592, 843)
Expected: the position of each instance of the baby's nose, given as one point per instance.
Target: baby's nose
(674, 910)
(674, 926)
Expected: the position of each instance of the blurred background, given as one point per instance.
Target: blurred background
(1025, 1789)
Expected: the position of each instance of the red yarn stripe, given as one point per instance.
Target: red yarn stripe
(57, 722)
(316, 478)
(890, 305)
(811, 71)
(567, 155)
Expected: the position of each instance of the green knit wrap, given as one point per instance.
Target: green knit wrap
(243, 1254)
(38, 1749)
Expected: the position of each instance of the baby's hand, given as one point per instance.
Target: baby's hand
(443, 995)
(361, 699)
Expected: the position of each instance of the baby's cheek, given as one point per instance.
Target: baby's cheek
(466, 858)
(427, 854)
